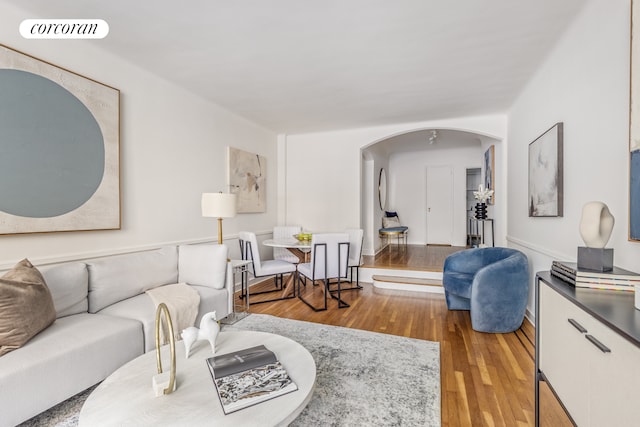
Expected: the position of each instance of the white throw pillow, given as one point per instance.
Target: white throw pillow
(204, 265)
(390, 221)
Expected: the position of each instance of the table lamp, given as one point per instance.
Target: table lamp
(219, 205)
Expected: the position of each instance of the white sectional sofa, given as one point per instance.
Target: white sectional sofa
(103, 320)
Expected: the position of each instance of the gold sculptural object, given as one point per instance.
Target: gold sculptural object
(172, 345)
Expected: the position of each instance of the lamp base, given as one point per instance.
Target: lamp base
(219, 231)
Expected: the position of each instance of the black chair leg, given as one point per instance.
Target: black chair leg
(300, 297)
(280, 287)
(341, 302)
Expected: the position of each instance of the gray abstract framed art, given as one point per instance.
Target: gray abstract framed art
(545, 174)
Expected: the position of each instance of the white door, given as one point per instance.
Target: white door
(439, 205)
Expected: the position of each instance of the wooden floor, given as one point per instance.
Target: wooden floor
(486, 379)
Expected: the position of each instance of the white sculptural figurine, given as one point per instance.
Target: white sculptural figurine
(209, 329)
(596, 224)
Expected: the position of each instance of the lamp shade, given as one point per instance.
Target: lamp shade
(218, 205)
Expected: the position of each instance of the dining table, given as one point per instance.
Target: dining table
(300, 248)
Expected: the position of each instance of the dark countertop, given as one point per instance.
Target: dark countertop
(613, 308)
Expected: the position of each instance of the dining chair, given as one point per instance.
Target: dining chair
(249, 250)
(285, 232)
(356, 237)
(329, 260)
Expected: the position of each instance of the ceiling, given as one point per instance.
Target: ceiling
(296, 66)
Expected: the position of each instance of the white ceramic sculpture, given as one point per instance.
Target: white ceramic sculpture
(209, 329)
(596, 224)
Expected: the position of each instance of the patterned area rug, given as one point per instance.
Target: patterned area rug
(363, 378)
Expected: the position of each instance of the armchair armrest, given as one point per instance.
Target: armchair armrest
(468, 261)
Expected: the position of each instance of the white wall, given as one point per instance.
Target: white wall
(584, 83)
(408, 173)
(173, 148)
(323, 172)
(370, 203)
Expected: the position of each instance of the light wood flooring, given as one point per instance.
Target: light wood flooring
(486, 379)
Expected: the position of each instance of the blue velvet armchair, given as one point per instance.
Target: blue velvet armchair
(493, 283)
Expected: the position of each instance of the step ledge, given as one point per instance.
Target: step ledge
(407, 284)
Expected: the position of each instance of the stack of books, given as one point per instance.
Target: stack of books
(247, 377)
(616, 279)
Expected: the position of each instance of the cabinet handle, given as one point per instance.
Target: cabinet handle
(578, 326)
(603, 348)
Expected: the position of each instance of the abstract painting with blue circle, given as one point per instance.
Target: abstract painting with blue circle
(59, 157)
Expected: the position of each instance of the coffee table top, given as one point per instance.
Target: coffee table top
(126, 397)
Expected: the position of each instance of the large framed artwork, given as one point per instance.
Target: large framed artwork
(247, 176)
(59, 155)
(634, 127)
(545, 174)
(489, 172)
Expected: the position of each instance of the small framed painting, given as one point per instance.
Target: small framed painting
(489, 173)
(545, 174)
(247, 176)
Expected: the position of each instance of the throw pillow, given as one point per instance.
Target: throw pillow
(26, 306)
(204, 265)
(389, 222)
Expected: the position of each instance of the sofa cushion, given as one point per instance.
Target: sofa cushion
(26, 306)
(212, 300)
(119, 277)
(203, 265)
(142, 309)
(69, 286)
(71, 355)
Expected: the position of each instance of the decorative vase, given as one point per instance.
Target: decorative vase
(481, 211)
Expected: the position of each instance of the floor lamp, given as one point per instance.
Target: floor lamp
(219, 205)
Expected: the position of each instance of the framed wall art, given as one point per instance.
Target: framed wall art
(59, 157)
(247, 176)
(545, 174)
(489, 172)
(634, 128)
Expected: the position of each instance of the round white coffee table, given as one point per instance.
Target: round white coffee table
(126, 397)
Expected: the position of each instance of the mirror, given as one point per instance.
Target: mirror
(382, 188)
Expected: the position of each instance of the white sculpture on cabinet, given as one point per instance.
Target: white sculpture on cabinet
(596, 224)
(209, 329)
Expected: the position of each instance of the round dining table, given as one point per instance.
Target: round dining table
(300, 248)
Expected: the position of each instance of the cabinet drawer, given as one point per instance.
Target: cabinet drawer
(614, 379)
(562, 350)
(594, 370)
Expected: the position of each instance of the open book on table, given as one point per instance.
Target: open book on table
(246, 377)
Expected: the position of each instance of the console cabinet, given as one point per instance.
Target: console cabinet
(588, 351)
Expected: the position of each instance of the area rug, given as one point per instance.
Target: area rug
(363, 378)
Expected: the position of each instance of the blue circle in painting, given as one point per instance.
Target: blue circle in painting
(51, 151)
